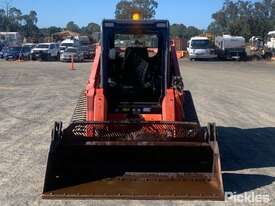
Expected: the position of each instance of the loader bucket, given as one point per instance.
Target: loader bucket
(103, 168)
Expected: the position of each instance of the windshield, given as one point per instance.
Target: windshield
(15, 49)
(28, 45)
(200, 44)
(271, 37)
(67, 44)
(42, 46)
(71, 50)
(124, 41)
(26, 49)
(131, 40)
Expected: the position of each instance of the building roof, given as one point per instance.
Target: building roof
(65, 34)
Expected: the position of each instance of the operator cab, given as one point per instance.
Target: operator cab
(134, 65)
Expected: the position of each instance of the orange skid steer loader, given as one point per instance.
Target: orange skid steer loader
(134, 133)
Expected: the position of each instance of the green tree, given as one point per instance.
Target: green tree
(192, 31)
(180, 30)
(71, 26)
(124, 8)
(244, 18)
(28, 27)
(13, 19)
(90, 29)
(3, 20)
(50, 31)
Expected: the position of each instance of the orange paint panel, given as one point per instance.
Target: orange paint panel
(90, 94)
(146, 117)
(168, 106)
(100, 106)
(179, 106)
(91, 85)
(152, 117)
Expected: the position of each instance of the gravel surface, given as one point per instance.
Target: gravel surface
(238, 96)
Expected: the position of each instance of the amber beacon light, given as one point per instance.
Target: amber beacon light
(136, 16)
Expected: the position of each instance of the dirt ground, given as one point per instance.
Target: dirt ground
(238, 96)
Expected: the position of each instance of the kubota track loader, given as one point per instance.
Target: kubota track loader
(134, 133)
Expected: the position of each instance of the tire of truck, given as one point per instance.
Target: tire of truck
(57, 58)
(268, 56)
(244, 57)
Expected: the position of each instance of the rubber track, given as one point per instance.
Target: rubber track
(81, 108)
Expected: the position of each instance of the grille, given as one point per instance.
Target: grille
(135, 131)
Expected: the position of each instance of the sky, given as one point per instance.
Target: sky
(60, 12)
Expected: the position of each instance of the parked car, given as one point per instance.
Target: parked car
(25, 52)
(29, 45)
(45, 51)
(13, 53)
(3, 52)
(201, 48)
(72, 42)
(88, 52)
(1, 47)
(72, 52)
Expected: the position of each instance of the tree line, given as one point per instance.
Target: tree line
(244, 18)
(124, 8)
(13, 20)
(240, 17)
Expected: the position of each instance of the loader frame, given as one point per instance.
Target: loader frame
(105, 155)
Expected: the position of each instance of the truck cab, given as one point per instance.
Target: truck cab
(201, 48)
(45, 51)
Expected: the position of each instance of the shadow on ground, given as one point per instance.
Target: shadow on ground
(241, 183)
(246, 149)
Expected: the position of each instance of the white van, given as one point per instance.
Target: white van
(201, 48)
(69, 43)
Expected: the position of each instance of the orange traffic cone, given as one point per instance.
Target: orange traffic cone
(72, 63)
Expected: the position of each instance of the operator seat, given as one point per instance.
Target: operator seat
(135, 66)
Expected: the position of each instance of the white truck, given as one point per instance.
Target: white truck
(257, 50)
(270, 43)
(201, 48)
(231, 47)
(11, 39)
(71, 42)
(45, 51)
